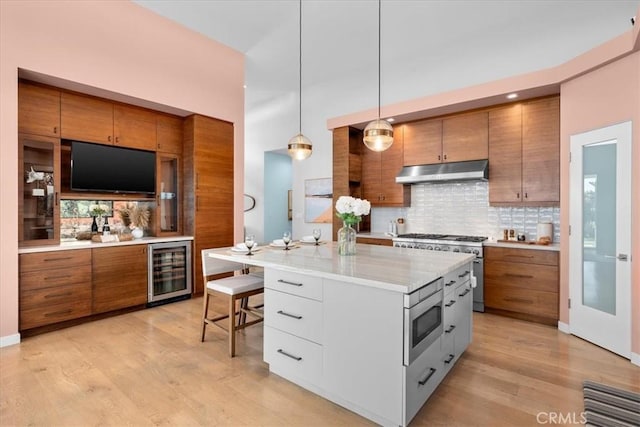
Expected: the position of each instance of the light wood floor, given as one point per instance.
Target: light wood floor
(149, 368)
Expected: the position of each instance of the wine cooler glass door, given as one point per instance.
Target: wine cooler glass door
(169, 271)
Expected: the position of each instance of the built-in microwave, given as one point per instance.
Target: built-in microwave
(422, 319)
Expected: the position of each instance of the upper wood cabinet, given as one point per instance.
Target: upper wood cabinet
(524, 153)
(455, 138)
(134, 127)
(38, 110)
(169, 134)
(379, 171)
(465, 137)
(86, 118)
(422, 142)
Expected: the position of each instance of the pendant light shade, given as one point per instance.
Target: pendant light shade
(299, 146)
(378, 135)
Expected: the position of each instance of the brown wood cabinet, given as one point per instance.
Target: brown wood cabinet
(347, 169)
(208, 186)
(134, 127)
(54, 287)
(38, 110)
(119, 276)
(86, 118)
(38, 200)
(379, 171)
(167, 218)
(456, 138)
(524, 154)
(374, 241)
(522, 283)
(169, 134)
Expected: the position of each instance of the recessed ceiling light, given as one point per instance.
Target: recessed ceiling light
(391, 119)
(512, 96)
(244, 86)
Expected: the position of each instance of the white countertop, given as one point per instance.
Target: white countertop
(396, 269)
(88, 244)
(551, 247)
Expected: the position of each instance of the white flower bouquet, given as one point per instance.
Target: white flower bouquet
(98, 210)
(351, 210)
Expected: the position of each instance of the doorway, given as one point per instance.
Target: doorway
(600, 237)
(277, 184)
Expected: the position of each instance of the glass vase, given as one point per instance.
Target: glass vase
(346, 240)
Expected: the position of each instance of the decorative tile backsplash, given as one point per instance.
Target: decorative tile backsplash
(463, 208)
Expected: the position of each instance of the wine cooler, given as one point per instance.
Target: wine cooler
(169, 272)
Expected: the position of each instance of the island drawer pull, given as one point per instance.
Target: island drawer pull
(450, 283)
(63, 294)
(429, 375)
(284, 353)
(465, 292)
(466, 273)
(57, 259)
(450, 303)
(64, 276)
(515, 299)
(451, 357)
(450, 329)
(519, 276)
(284, 313)
(58, 313)
(286, 282)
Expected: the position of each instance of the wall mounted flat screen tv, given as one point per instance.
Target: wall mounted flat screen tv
(106, 168)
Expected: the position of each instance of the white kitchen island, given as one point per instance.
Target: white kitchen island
(335, 325)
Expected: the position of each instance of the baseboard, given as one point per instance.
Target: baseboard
(9, 340)
(563, 327)
(635, 358)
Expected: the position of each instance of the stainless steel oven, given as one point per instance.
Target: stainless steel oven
(422, 319)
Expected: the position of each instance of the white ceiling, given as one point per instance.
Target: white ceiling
(418, 37)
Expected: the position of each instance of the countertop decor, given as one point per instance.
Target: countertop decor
(350, 211)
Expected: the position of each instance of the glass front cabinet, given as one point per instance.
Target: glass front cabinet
(167, 192)
(39, 187)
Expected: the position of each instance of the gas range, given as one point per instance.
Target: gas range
(441, 242)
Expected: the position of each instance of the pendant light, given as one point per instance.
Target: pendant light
(300, 146)
(378, 135)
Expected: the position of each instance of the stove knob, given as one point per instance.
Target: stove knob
(456, 250)
(476, 252)
(446, 248)
(467, 251)
(430, 247)
(437, 248)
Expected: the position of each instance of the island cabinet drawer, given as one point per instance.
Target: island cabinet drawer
(293, 314)
(45, 314)
(421, 379)
(55, 277)
(457, 277)
(293, 283)
(526, 256)
(291, 356)
(55, 259)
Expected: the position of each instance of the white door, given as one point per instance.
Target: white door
(600, 241)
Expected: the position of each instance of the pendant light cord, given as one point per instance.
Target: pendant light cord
(379, 49)
(300, 75)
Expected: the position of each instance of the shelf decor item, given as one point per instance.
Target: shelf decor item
(135, 217)
(350, 211)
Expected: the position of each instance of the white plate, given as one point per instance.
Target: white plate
(312, 242)
(276, 246)
(244, 251)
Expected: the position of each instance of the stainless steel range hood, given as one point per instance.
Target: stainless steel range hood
(474, 170)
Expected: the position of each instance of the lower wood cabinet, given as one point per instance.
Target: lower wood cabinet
(119, 277)
(374, 241)
(522, 283)
(54, 287)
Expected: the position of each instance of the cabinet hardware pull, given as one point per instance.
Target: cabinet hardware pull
(429, 375)
(56, 198)
(517, 195)
(445, 157)
(284, 313)
(197, 203)
(289, 283)
(57, 259)
(512, 299)
(464, 293)
(64, 294)
(450, 283)
(520, 256)
(450, 303)
(466, 273)
(450, 329)
(109, 138)
(439, 157)
(58, 313)
(450, 359)
(66, 276)
(55, 129)
(284, 353)
(117, 139)
(158, 200)
(519, 276)
(526, 195)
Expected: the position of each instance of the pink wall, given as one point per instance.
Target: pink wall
(603, 97)
(116, 46)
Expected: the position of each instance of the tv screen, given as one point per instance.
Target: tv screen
(106, 168)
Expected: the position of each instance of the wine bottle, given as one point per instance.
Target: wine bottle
(106, 230)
